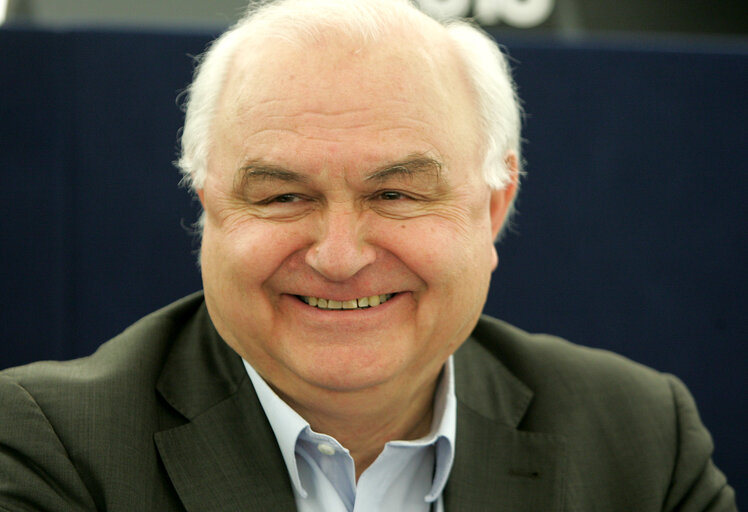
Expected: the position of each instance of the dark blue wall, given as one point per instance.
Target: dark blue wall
(630, 234)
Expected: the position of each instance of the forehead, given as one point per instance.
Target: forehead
(336, 91)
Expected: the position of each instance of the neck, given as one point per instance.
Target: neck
(364, 421)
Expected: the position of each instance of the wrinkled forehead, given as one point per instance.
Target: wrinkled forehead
(339, 72)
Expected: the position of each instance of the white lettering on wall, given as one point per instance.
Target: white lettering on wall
(517, 13)
(527, 13)
(488, 12)
(441, 9)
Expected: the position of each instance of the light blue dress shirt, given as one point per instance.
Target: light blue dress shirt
(408, 476)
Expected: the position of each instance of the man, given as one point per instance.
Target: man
(355, 162)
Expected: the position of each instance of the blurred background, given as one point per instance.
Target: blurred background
(571, 17)
(631, 233)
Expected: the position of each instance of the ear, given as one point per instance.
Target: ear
(502, 199)
(201, 196)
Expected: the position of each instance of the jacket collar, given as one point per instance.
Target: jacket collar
(225, 456)
(497, 466)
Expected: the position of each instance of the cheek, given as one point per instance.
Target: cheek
(437, 250)
(458, 234)
(249, 249)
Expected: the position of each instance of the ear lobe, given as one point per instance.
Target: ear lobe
(502, 199)
(494, 257)
(201, 196)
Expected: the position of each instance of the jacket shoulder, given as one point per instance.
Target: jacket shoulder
(568, 388)
(621, 421)
(136, 354)
(112, 391)
(81, 431)
(543, 361)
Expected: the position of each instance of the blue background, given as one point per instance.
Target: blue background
(630, 235)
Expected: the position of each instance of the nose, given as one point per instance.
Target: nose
(340, 250)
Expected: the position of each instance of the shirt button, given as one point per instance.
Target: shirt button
(326, 449)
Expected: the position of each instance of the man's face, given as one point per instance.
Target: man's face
(344, 177)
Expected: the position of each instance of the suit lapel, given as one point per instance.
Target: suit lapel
(497, 466)
(225, 457)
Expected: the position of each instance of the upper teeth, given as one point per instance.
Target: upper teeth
(363, 302)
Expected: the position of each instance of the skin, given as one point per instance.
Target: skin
(346, 172)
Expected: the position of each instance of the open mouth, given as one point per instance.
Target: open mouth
(371, 301)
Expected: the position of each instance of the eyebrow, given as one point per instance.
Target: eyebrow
(417, 165)
(410, 167)
(258, 171)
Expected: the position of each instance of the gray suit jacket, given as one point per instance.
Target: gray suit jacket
(164, 417)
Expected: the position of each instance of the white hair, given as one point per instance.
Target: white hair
(298, 21)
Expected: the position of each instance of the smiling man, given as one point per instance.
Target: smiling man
(355, 161)
(347, 244)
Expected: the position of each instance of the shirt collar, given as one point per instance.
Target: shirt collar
(288, 425)
(443, 428)
(285, 422)
(442, 434)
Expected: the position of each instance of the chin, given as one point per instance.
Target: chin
(348, 376)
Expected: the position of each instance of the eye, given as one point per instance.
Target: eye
(287, 206)
(391, 195)
(285, 198)
(280, 199)
(283, 201)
